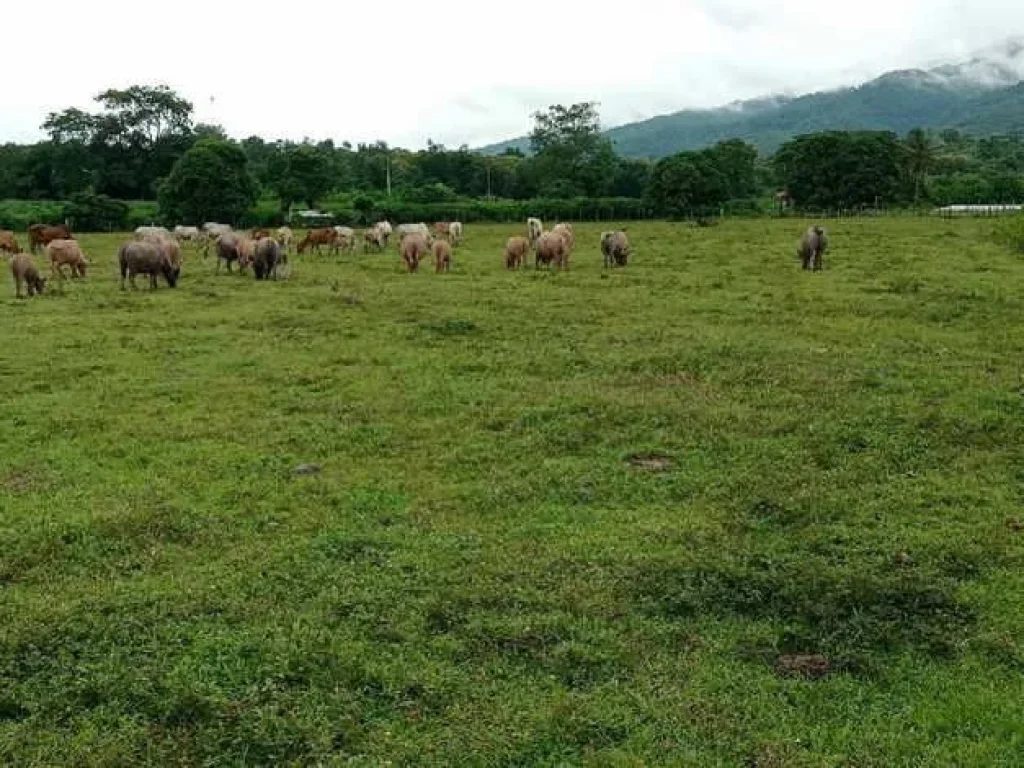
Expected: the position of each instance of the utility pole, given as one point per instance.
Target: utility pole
(388, 161)
(489, 197)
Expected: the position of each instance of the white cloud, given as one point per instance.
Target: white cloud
(466, 72)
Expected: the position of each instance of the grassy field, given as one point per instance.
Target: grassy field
(707, 510)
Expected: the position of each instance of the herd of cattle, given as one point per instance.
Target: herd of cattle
(156, 251)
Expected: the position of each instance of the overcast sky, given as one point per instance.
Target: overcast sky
(459, 71)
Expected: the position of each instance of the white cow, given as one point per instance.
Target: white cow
(534, 229)
(455, 232)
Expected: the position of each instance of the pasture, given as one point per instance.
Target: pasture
(706, 510)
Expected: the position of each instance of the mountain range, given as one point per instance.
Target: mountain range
(983, 96)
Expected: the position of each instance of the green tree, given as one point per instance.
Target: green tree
(686, 184)
(300, 173)
(570, 152)
(737, 161)
(211, 182)
(838, 169)
(919, 160)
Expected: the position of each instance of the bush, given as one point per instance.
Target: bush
(18, 215)
(89, 212)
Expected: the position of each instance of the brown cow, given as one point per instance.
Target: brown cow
(8, 243)
(316, 238)
(24, 271)
(41, 235)
(442, 229)
(63, 253)
(414, 249)
(442, 256)
(515, 252)
(259, 233)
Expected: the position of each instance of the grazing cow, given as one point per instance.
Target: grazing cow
(285, 238)
(268, 256)
(615, 248)
(385, 228)
(227, 249)
(442, 255)
(141, 257)
(455, 232)
(345, 240)
(442, 229)
(813, 246)
(259, 233)
(187, 234)
(41, 235)
(144, 232)
(63, 253)
(316, 238)
(411, 229)
(414, 249)
(374, 239)
(8, 243)
(516, 250)
(565, 232)
(167, 244)
(246, 252)
(215, 230)
(552, 249)
(25, 272)
(534, 229)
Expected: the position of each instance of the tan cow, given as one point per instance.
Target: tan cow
(564, 231)
(516, 250)
(442, 255)
(414, 249)
(552, 249)
(8, 243)
(63, 253)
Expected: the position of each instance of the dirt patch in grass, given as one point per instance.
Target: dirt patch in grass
(647, 461)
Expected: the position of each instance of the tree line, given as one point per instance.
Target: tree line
(142, 144)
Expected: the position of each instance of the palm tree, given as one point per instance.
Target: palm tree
(920, 158)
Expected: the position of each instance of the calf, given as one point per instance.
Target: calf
(24, 271)
(515, 252)
(7, 242)
(442, 256)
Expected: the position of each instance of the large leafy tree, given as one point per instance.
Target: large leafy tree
(571, 155)
(211, 182)
(840, 169)
(126, 147)
(301, 173)
(689, 183)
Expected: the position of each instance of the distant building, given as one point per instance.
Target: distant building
(312, 218)
(978, 210)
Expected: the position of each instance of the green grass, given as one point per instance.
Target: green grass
(562, 519)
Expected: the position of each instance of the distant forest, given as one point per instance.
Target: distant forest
(141, 144)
